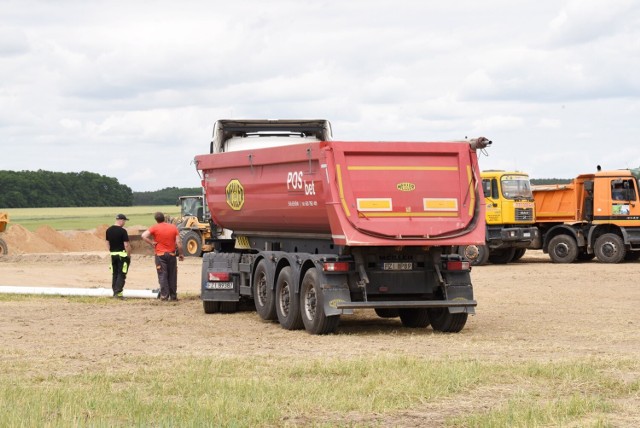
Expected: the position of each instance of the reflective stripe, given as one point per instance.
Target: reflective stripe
(119, 253)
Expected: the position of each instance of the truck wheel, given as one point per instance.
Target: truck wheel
(263, 293)
(478, 255)
(210, 307)
(287, 303)
(191, 243)
(609, 248)
(414, 317)
(3, 248)
(445, 322)
(518, 254)
(502, 256)
(387, 312)
(312, 306)
(563, 249)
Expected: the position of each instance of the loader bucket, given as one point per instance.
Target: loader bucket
(4, 219)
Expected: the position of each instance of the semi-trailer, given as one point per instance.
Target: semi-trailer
(312, 228)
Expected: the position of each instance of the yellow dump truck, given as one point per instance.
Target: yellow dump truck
(4, 219)
(510, 218)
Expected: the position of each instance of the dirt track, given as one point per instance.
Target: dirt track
(532, 310)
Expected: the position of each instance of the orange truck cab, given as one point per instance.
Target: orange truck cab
(597, 215)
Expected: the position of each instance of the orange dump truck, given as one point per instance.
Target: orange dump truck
(597, 215)
(311, 229)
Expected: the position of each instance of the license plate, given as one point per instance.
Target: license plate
(397, 266)
(219, 285)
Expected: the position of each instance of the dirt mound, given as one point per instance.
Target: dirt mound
(20, 240)
(45, 239)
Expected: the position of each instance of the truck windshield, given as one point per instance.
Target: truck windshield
(516, 187)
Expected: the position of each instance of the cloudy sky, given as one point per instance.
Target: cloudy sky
(130, 89)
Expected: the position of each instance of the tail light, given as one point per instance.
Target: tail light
(335, 266)
(219, 276)
(457, 265)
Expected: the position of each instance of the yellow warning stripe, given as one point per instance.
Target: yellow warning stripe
(401, 168)
(471, 192)
(412, 214)
(341, 191)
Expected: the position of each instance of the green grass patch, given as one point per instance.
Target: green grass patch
(85, 218)
(268, 391)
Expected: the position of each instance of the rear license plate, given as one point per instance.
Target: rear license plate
(219, 285)
(397, 266)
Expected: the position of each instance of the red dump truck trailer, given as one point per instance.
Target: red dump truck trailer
(310, 229)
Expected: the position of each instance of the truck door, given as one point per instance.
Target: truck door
(623, 197)
(493, 201)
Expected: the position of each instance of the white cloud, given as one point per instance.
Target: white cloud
(129, 90)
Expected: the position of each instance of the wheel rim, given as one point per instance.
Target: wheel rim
(192, 246)
(284, 299)
(262, 290)
(561, 250)
(310, 303)
(609, 249)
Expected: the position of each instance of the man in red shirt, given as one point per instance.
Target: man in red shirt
(165, 239)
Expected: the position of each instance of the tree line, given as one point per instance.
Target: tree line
(42, 189)
(46, 189)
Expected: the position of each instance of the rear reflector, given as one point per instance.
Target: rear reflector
(457, 265)
(335, 266)
(219, 276)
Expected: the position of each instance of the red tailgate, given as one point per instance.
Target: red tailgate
(406, 190)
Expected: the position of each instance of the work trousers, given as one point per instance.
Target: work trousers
(167, 268)
(119, 268)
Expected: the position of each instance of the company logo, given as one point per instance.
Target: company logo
(406, 187)
(334, 303)
(235, 195)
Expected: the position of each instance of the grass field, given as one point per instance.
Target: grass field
(84, 218)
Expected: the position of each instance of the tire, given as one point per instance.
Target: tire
(610, 248)
(518, 254)
(210, 307)
(3, 248)
(387, 312)
(287, 302)
(563, 249)
(445, 322)
(414, 317)
(191, 243)
(502, 256)
(312, 306)
(263, 293)
(478, 255)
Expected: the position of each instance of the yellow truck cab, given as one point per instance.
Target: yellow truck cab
(510, 218)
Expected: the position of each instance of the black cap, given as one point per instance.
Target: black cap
(121, 217)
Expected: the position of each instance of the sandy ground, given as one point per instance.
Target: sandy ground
(532, 310)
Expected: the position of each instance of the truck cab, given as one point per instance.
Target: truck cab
(510, 215)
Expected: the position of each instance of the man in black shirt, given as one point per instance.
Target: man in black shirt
(120, 250)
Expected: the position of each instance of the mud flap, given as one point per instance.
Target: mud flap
(460, 293)
(335, 290)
